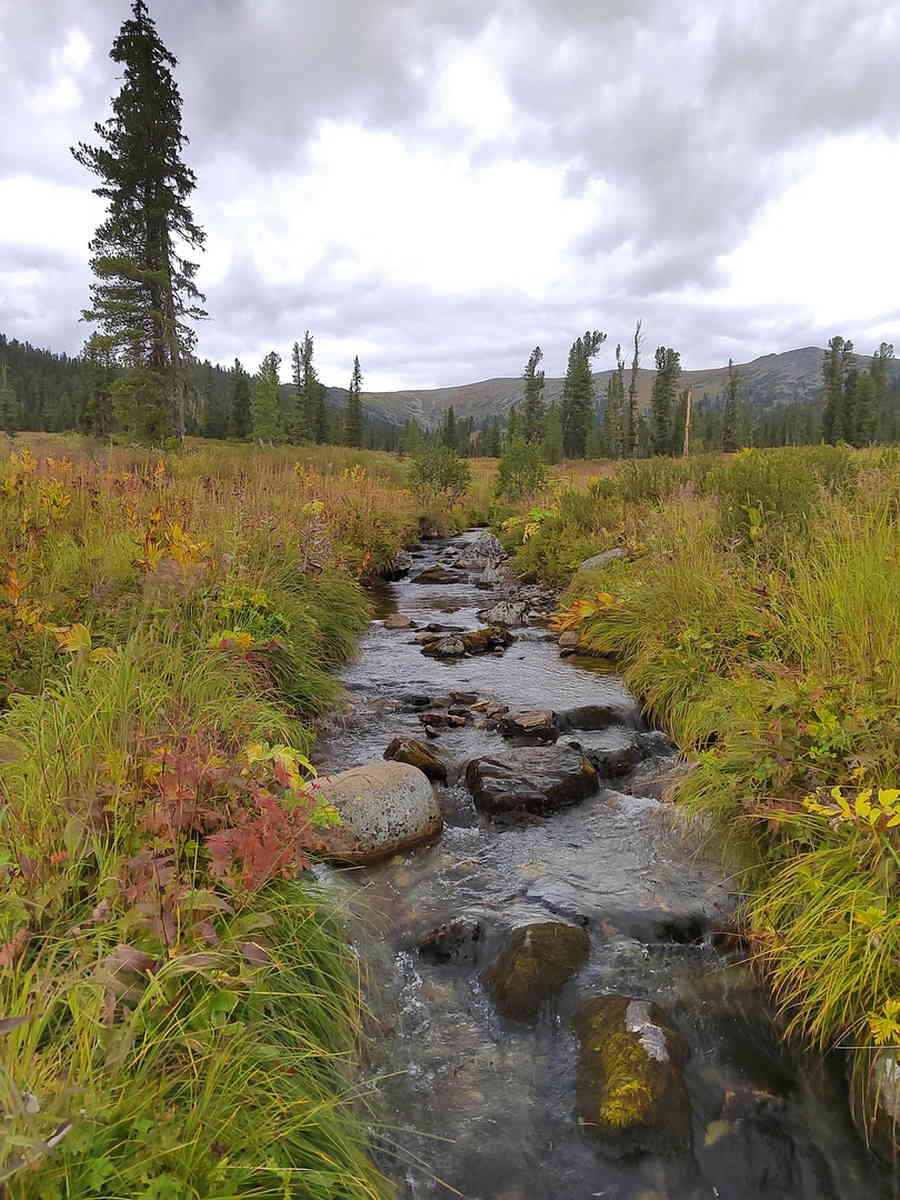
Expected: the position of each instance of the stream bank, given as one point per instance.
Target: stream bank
(492, 1106)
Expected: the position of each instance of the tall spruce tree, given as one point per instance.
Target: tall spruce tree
(353, 422)
(299, 429)
(533, 410)
(866, 410)
(144, 294)
(663, 397)
(240, 424)
(307, 390)
(264, 407)
(553, 436)
(578, 393)
(614, 418)
(730, 411)
(494, 442)
(9, 406)
(96, 416)
(632, 411)
(838, 361)
(448, 430)
(881, 372)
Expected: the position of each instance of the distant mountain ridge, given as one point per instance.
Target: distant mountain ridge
(793, 377)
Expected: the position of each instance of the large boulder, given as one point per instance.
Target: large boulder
(385, 807)
(439, 574)
(601, 716)
(536, 961)
(614, 751)
(492, 576)
(601, 560)
(631, 1093)
(532, 779)
(398, 621)
(417, 754)
(539, 724)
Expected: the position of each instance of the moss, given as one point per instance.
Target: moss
(536, 962)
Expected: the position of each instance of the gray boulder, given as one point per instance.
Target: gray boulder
(508, 612)
(385, 807)
(492, 576)
(530, 779)
(539, 724)
(601, 716)
(601, 560)
(398, 621)
(439, 574)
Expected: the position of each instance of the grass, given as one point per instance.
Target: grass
(758, 617)
(179, 1015)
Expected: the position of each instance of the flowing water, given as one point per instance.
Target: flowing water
(479, 1107)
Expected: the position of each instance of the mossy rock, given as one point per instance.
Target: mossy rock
(536, 961)
(417, 754)
(631, 1094)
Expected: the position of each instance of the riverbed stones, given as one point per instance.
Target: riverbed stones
(601, 560)
(614, 752)
(435, 719)
(492, 576)
(417, 754)
(384, 806)
(535, 963)
(568, 640)
(448, 647)
(601, 716)
(630, 1089)
(399, 566)
(530, 779)
(479, 641)
(439, 574)
(455, 941)
(507, 612)
(398, 621)
(539, 724)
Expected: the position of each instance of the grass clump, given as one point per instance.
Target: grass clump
(179, 1015)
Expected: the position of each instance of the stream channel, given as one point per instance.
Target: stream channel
(475, 1105)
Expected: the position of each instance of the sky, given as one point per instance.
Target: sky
(439, 185)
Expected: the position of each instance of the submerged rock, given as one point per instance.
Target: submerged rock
(507, 612)
(536, 961)
(448, 647)
(613, 752)
(398, 621)
(385, 807)
(533, 779)
(454, 941)
(539, 724)
(480, 641)
(601, 716)
(417, 754)
(631, 1093)
(439, 574)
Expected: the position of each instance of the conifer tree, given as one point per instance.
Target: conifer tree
(144, 294)
(306, 385)
(494, 446)
(866, 414)
(9, 407)
(614, 418)
(448, 430)
(730, 411)
(353, 423)
(578, 394)
(411, 441)
(632, 412)
(880, 370)
(322, 430)
(533, 405)
(512, 424)
(839, 360)
(264, 408)
(662, 400)
(553, 436)
(299, 430)
(240, 423)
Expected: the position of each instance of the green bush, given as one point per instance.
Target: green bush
(521, 472)
(440, 473)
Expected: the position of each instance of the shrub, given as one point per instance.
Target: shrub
(521, 473)
(440, 474)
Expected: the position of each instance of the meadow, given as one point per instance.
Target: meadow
(757, 614)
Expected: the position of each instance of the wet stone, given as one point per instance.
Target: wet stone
(535, 963)
(540, 725)
(601, 716)
(439, 574)
(417, 754)
(631, 1094)
(398, 621)
(455, 941)
(531, 779)
(385, 807)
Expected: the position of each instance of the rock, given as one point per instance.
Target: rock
(507, 612)
(448, 647)
(467, 698)
(536, 961)
(417, 754)
(454, 941)
(398, 621)
(439, 574)
(414, 700)
(423, 638)
(569, 640)
(492, 576)
(653, 778)
(385, 807)
(540, 724)
(614, 752)
(435, 719)
(600, 560)
(630, 1090)
(884, 1103)
(399, 566)
(601, 716)
(534, 779)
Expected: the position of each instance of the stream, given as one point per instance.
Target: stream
(478, 1106)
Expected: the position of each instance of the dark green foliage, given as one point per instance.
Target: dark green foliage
(578, 394)
(440, 474)
(264, 407)
(662, 401)
(866, 410)
(837, 366)
(144, 294)
(533, 415)
(449, 436)
(512, 424)
(730, 414)
(9, 405)
(553, 436)
(353, 424)
(521, 472)
(494, 445)
(632, 415)
(241, 424)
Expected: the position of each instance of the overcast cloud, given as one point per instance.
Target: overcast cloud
(437, 185)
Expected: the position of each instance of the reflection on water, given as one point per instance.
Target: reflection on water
(477, 1107)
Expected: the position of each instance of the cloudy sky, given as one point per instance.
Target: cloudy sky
(437, 185)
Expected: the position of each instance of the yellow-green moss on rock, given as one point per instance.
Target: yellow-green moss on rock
(631, 1094)
(535, 963)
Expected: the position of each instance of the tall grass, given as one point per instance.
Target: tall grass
(164, 626)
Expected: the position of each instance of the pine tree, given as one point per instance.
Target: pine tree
(299, 429)
(264, 407)
(662, 399)
(533, 410)
(513, 425)
(411, 442)
(614, 419)
(866, 410)
(353, 424)
(494, 446)
(578, 394)
(9, 407)
(240, 423)
(322, 431)
(553, 436)
(144, 292)
(632, 412)
(306, 385)
(881, 370)
(839, 360)
(448, 430)
(730, 411)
